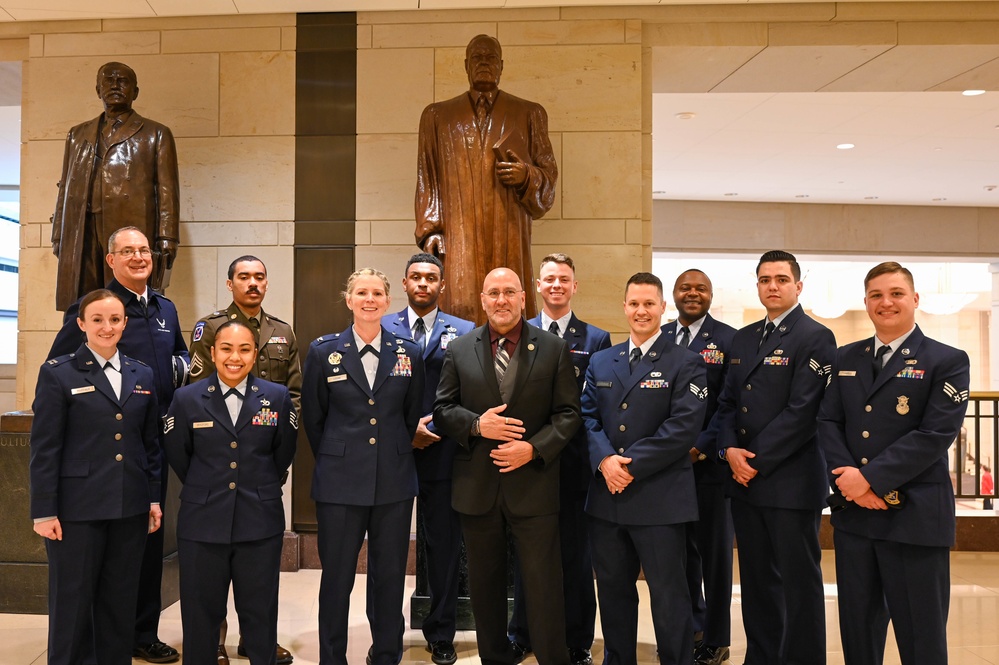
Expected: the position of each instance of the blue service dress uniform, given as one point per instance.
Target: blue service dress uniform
(769, 407)
(152, 336)
(896, 429)
(231, 521)
(364, 481)
(709, 539)
(584, 340)
(95, 465)
(652, 415)
(441, 525)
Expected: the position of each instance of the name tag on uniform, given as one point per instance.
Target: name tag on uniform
(204, 424)
(605, 384)
(846, 372)
(334, 379)
(84, 389)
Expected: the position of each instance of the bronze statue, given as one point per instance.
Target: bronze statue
(485, 170)
(119, 169)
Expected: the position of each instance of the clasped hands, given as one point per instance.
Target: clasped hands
(614, 469)
(514, 452)
(854, 487)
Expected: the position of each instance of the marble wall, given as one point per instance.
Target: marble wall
(226, 88)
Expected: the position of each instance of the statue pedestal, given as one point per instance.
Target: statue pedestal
(24, 569)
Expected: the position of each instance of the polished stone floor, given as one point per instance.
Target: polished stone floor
(973, 631)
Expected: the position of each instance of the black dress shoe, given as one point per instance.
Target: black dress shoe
(520, 651)
(580, 657)
(709, 655)
(442, 652)
(284, 656)
(222, 657)
(157, 652)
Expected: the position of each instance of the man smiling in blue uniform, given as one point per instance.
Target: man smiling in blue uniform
(894, 405)
(767, 412)
(433, 330)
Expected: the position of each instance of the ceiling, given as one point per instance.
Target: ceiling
(765, 108)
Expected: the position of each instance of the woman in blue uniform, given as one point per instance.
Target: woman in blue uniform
(362, 398)
(94, 486)
(230, 439)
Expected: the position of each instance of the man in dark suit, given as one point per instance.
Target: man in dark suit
(709, 539)
(508, 396)
(894, 405)
(230, 439)
(433, 330)
(153, 336)
(767, 415)
(643, 407)
(118, 169)
(557, 285)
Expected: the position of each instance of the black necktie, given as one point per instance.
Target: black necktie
(636, 356)
(232, 391)
(879, 359)
(142, 304)
(254, 323)
(420, 333)
(502, 359)
(553, 328)
(684, 337)
(766, 332)
(369, 349)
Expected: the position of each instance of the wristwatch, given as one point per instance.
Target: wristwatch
(475, 428)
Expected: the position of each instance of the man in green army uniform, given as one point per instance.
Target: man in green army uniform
(277, 358)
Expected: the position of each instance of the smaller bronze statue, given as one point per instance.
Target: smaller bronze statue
(485, 170)
(119, 169)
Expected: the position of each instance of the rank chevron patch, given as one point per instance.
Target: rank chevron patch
(957, 395)
(700, 393)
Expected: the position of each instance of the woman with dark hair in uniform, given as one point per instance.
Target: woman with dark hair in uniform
(362, 398)
(94, 486)
(230, 438)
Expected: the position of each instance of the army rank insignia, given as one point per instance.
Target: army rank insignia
(713, 356)
(403, 367)
(266, 417)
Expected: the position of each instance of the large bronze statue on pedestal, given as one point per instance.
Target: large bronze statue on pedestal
(119, 169)
(485, 170)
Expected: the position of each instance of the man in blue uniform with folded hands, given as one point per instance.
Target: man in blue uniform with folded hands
(894, 405)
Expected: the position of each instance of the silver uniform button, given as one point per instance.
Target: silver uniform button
(749, 386)
(745, 409)
(624, 405)
(742, 431)
(863, 460)
(620, 451)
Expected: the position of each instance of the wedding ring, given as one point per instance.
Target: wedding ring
(506, 421)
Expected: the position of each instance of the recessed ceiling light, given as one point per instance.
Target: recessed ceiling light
(845, 146)
(686, 115)
(973, 93)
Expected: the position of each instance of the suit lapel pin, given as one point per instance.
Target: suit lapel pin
(778, 352)
(705, 335)
(89, 362)
(905, 352)
(399, 350)
(782, 329)
(712, 346)
(867, 349)
(572, 330)
(621, 354)
(653, 354)
(335, 358)
(530, 347)
(254, 388)
(911, 361)
(264, 401)
(211, 389)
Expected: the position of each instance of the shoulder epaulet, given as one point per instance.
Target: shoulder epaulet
(327, 338)
(60, 359)
(217, 313)
(160, 295)
(134, 360)
(271, 317)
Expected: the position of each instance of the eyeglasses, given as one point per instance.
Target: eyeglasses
(129, 252)
(509, 294)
